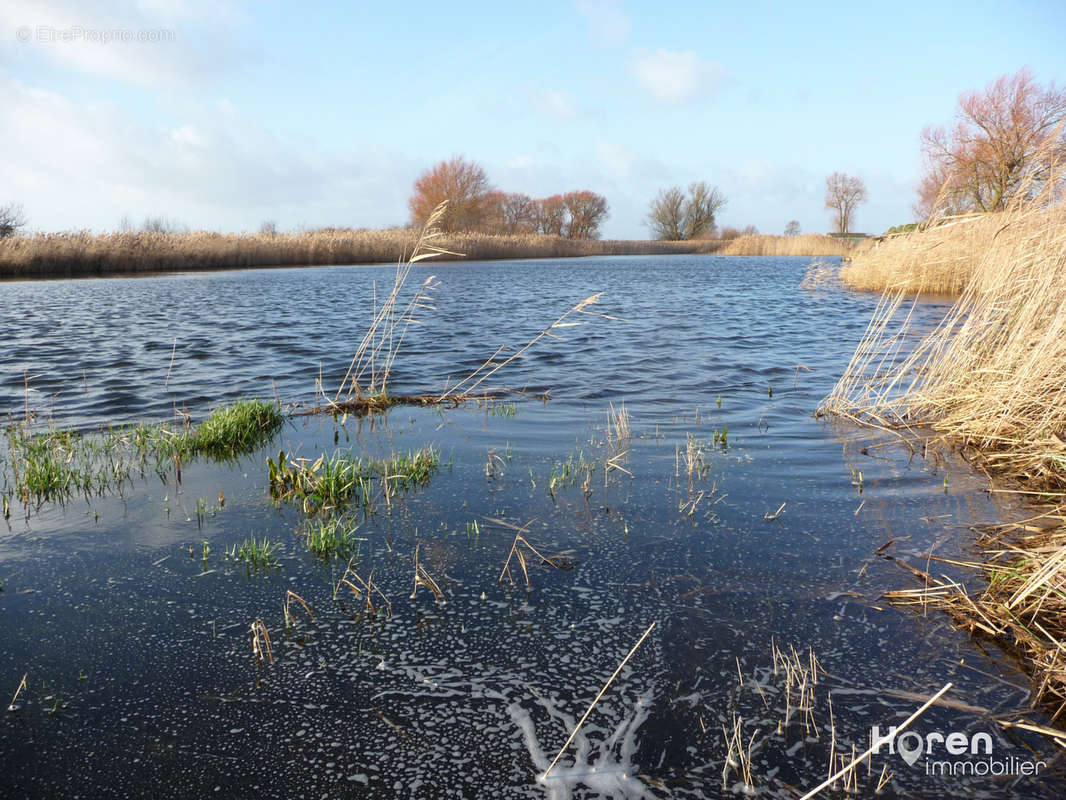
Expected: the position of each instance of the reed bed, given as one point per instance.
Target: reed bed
(989, 377)
(945, 256)
(76, 253)
(809, 244)
(987, 380)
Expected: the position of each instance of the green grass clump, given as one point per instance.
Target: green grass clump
(237, 429)
(342, 477)
(332, 538)
(256, 554)
(567, 473)
(57, 464)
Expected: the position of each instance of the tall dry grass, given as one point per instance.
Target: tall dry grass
(946, 255)
(809, 244)
(990, 379)
(83, 253)
(992, 375)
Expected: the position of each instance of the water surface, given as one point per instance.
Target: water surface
(138, 654)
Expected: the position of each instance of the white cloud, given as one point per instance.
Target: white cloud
(149, 43)
(552, 103)
(608, 23)
(83, 165)
(674, 77)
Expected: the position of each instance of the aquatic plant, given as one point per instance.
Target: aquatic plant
(365, 590)
(56, 464)
(331, 538)
(237, 429)
(567, 473)
(503, 409)
(424, 579)
(258, 554)
(342, 477)
(290, 620)
(261, 649)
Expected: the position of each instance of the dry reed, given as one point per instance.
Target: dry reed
(947, 255)
(809, 244)
(1023, 606)
(75, 253)
(988, 380)
(989, 377)
(592, 705)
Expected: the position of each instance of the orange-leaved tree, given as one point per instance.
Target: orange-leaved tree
(1004, 145)
(463, 184)
(586, 211)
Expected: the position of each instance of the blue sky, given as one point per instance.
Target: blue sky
(234, 113)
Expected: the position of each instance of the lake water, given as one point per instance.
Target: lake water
(140, 674)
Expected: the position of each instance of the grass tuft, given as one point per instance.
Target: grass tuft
(237, 429)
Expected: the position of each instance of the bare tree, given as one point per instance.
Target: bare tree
(550, 215)
(12, 218)
(463, 184)
(163, 224)
(672, 216)
(1005, 142)
(666, 216)
(793, 228)
(843, 194)
(518, 213)
(268, 228)
(587, 211)
(749, 230)
(703, 204)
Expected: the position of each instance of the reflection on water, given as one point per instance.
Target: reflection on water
(138, 655)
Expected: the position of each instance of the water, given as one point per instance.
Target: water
(138, 655)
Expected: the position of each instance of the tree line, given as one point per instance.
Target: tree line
(475, 205)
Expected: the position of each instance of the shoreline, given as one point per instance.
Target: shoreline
(83, 255)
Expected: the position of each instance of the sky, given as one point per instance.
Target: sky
(221, 115)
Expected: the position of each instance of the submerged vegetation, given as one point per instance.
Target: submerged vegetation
(56, 464)
(343, 477)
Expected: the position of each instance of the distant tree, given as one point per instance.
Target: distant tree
(793, 228)
(463, 184)
(550, 215)
(843, 194)
(162, 224)
(586, 211)
(12, 218)
(268, 228)
(674, 217)
(517, 213)
(1005, 142)
(666, 216)
(703, 204)
(728, 232)
(749, 230)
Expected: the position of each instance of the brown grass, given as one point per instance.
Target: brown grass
(987, 380)
(809, 244)
(1023, 606)
(82, 253)
(945, 257)
(989, 377)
